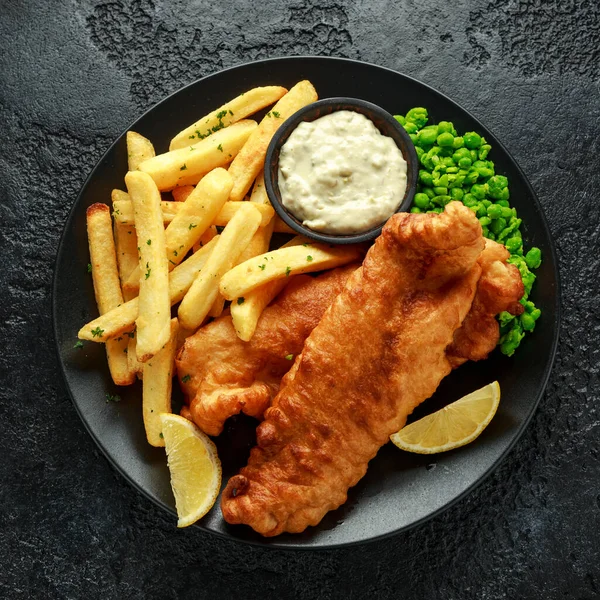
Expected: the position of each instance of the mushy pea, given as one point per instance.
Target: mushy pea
(340, 175)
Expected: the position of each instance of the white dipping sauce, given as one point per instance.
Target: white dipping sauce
(339, 174)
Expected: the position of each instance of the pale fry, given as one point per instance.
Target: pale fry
(279, 226)
(157, 387)
(285, 262)
(239, 108)
(216, 310)
(259, 191)
(192, 219)
(245, 313)
(123, 213)
(189, 164)
(126, 248)
(139, 149)
(107, 287)
(250, 160)
(154, 315)
(134, 364)
(180, 194)
(120, 319)
(118, 196)
(232, 241)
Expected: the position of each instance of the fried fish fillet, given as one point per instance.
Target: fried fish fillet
(499, 288)
(377, 353)
(221, 375)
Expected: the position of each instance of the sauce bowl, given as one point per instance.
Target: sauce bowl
(382, 120)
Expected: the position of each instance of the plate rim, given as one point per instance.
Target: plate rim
(272, 542)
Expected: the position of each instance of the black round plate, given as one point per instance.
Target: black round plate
(400, 489)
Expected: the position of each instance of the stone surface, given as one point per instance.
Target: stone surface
(73, 75)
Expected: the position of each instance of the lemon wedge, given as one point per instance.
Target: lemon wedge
(453, 426)
(195, 468)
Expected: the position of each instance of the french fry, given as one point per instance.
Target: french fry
(282, 263)
(139, 149)
(120, 319)
(216, 310)
(192, 219)
(245, 314)
(123, 212)
(279, 226)
(180, 194)
(188, 165)
(239, 108)
(248, 163)
(107, 287)
(154, 314)
(119, 196)
(134, 364)
(259, 191)
(126, 248)
(157, 387)
(235, 237)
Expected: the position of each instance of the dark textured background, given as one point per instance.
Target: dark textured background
(72, 77)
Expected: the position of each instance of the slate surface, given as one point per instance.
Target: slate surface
(73, 74)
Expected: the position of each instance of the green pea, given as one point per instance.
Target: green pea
(421, 200)
(413, 137)
(478, 191)
(472, 176)
(536, 313)
(527, 322)
(495, 186)
(461, 153)
(481, 211)
(419, 151)
(417, 115)
(533, 258)
(440, 191)
(447, 160)
(484, 151)
(486, 203)
(442, 181)
(513, 244)
(429, 192)
(494, 211)
(456, 193)
(485, 172)
(504, 194)
(446, 151)
(458, 181)
(425, 178)
(484, 221)
(445, 127)
(435, 159)
(427, 136)
(400, 119)
(464, 162)
(469, 200)
(410, 127)
(507, 212)
(452, 170)
(498, 225)
(472, 139)
(415, 209)
(458, 142)
(502, 203)
(445, 139)
(442, 200)
(473, 155)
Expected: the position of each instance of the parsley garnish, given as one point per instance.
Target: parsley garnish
(262, 267)
(288, 270)
(89, 268)
(221, 114)
(276, 114)
(289, 357)
(309, 258)
(231, 112)
(131, 334)
(115, 398)
(191, 137)
(78, 344)
(185, 378)
(148, 271)
(149, 242)
(161, 435)
(220, 147)
(174, 252)
(97, 332)
(240, 300)
(192, 225)
(184, 168)
(269, 115)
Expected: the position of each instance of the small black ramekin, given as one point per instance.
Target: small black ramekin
(386, 124)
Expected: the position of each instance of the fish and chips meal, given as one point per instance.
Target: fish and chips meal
(330, 347)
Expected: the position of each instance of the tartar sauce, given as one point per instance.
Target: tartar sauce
(339, 174)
